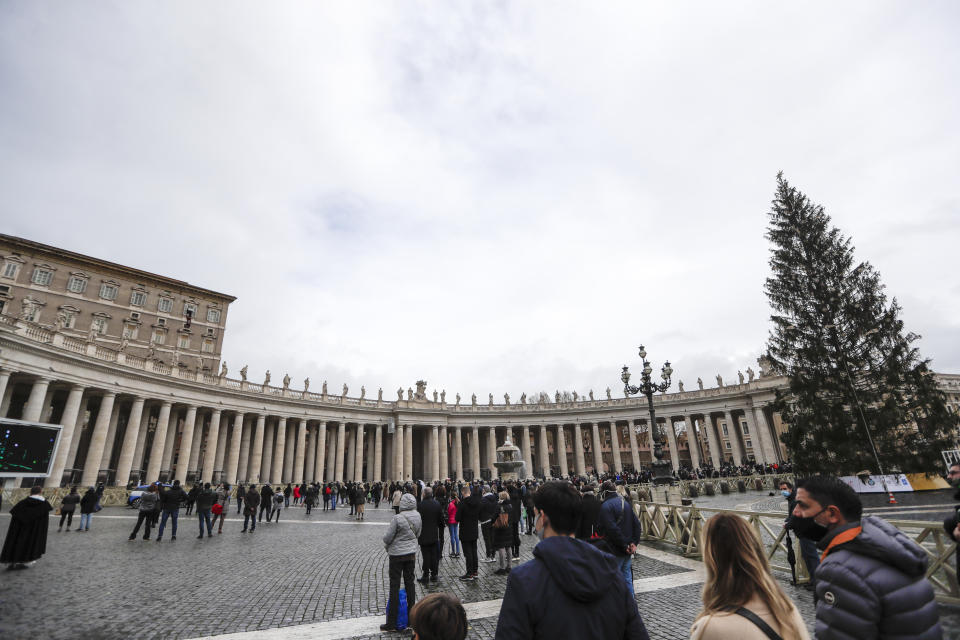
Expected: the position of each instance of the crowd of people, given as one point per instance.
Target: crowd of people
(869, 577)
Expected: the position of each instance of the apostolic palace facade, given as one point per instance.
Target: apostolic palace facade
(129, 363)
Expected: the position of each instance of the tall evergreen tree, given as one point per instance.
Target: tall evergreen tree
(854, 374)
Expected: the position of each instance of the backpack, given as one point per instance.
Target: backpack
(278, 499)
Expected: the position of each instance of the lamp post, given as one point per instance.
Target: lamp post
(661, 468)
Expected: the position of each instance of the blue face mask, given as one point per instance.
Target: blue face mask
(785, 493)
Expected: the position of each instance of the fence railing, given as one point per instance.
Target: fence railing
(717, 486)
(682, 527)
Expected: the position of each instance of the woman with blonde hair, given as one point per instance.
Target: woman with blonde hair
(741, 598)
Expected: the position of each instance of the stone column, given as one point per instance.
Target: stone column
(301, 457)
(279, 450)
(408, 452)
(166, 462)
(771, 447)
(186, 444)
(634, 450)
(97, 439)
(492, 450)
(266, 462)
(378, 453)
(544, 452)
(672, 442)
(109, 441)
(4, 381)
(233, 458)
(351, 454)
(597, 450)
(130, 437)
(358, 454)
(34, 406)
(290, 450)
(435, 451)
(246, 435)
(68, 421)
(758, 453)
(398, 452)
(256, 456)
(693, 441)
(525, 450)
(220, 456)
(458, 453)
(321, 467)
(338, 459)
(475, 451)
(578, 450)
(310, 452)
(444, 445)
(211, 448)
(615, 445)
(715, 454)
(734, 433)
(194, 464)
(562, 450)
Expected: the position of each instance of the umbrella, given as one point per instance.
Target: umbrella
(791, 557)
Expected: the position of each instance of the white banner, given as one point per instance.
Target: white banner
(874, 484)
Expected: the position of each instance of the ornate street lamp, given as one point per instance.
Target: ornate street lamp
(662, 470)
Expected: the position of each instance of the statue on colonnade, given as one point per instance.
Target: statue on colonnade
(223, 369)
(700, 383)
(266, 378)
(523, 398)
(363, 392)
(491, 399)
(750, 374)
(443, 396)
(473, 399)
(591, 395)
(719, 380)
(380, 394)
(399, 394)
(506, 399)
(458, 400)
(680, 386)
(436, 397)
(609, 397)
(306, 384)
(345, 389)
(740, 375)
(286, 381)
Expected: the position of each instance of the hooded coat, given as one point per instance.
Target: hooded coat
(569, 590)
(402, 535)
(874, 585)
(27, 536)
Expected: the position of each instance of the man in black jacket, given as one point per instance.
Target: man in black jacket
(516, 500)
(170, 500)
(205, 501)
(431, 516)
(590, 516)
(488, 511)
(570, 589)
(266, 502)
(468, 515)
(620, 529)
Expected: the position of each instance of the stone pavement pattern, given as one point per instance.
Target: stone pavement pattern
(301, 571)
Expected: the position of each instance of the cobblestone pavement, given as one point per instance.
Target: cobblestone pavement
(302, 571)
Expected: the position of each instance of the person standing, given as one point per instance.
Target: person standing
(503, 533)
(468, 517)
(807, 538)
(26, 538)
(620, 528)
(88, 504)
(516, 500)
(488, 511)
(278, 502)
(431, 518)
(453, 526)
(67, 506)
(395, 499)
(359, 499)
(240, 495)
(297, 494)
(310, 499)
(952, 524)
(287, 491)
(205, 500)
(192, 497)
(400, 541)
(149, 500)
(170, 505)
(219, 509)
(741, 598)
(266, 502)
(250, 502)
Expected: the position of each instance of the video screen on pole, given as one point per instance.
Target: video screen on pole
(27, 449)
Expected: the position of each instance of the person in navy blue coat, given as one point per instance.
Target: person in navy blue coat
(570, 589)
(620, 528)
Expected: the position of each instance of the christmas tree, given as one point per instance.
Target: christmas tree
(857, 383)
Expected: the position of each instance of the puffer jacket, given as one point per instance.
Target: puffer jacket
(149, 501)
(402, 536)
(874, 585)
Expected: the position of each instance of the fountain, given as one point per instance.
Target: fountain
(509, 464)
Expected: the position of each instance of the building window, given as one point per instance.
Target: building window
(10, 270)
(746, 429)
(138, 298)
(130, 331)
(108, 291)
(161, 322)
(728, 445)
(748, 443)
(99, 325)
(211, 331)
(42, 277)
(159, 336)
(191, 308)
(723, 425)
(164, 305)
(31, 313)
(76, 284)
(213, 315)
(207, 345)
(69, 320)
(183, 341)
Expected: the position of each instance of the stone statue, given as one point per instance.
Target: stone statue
(266, 378)
(152, 353)
(199, 363)
(473, 399)
(62, 320)
(591, 395)
(399, 394)
(506, 399)
(286, 381)
(766, 366)
(750, 374)
(680, 386)
(243, 373)
(609, 397)
(363, 392)
(556, 397)
(223, 369)
(410, 393)
(700, 383)
(458, 400)
(719, 380)
(380, 394)
(124, 343)
(92, 335)
(343, 394)
(436, 397)
(523, 398)
(443, 396)
(740, 375)
(323, 388)
(25, 308)
(306, 384)
(575, 396)
(491, 399)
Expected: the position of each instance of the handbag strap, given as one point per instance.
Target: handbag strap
(757, 620)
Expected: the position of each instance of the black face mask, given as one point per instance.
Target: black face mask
(808, 528)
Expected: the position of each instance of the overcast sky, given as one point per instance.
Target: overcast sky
(491, 196)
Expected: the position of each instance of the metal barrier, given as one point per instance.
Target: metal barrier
(682, 526)
(767, 482)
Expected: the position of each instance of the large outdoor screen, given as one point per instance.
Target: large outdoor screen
(27, 449)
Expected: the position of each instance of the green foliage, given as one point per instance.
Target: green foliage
(843, 348)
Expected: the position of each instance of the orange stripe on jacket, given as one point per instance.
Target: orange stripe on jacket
(841, 538)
